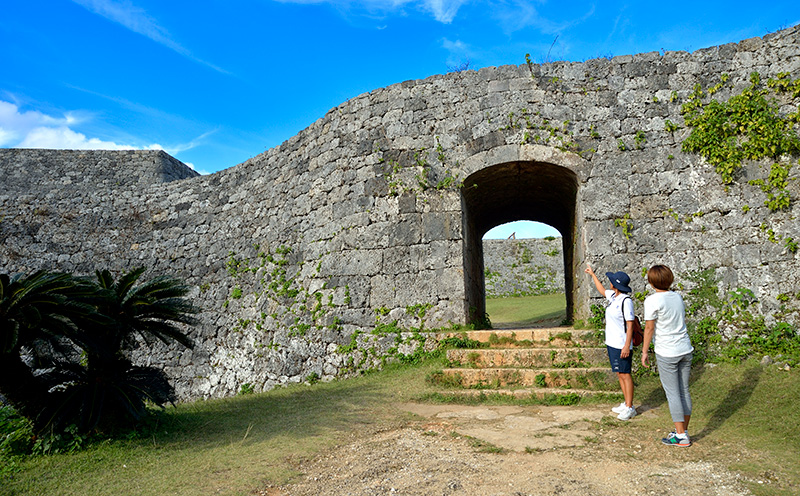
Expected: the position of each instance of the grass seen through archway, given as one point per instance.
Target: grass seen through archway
(523, 311)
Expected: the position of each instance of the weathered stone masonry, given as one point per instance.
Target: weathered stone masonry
(520, 267)
(361, 219)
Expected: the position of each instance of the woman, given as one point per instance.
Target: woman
(664, 316)
(619, 335)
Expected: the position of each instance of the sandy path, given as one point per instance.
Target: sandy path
(566, 451)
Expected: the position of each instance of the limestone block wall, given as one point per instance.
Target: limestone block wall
(521, 267)
(374, 214)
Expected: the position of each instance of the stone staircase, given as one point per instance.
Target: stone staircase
(529, 362)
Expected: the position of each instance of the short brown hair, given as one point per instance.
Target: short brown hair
(660, 277)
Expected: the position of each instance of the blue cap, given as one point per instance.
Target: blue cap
(620, 280)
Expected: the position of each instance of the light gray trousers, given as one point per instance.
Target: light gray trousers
(674, 374)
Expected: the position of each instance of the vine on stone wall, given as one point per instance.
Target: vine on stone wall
(540, 130)
(748, 126)
(290, 305)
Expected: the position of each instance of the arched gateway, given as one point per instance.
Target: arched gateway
(521, 182)
(310, 258)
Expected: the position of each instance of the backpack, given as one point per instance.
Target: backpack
(638, 333)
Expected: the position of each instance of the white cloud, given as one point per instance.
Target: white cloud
(34, 129)
(444, 10)
(139, 21)
(67, 139)
(14, 125)
(459, 52)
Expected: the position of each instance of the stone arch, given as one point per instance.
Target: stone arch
(519, 182)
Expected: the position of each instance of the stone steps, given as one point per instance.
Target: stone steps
(528, 362)
(528, 357)
(521, 393)
(595, 378)
(556, 336)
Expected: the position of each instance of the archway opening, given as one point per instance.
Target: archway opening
(515, 191)
(524, 275)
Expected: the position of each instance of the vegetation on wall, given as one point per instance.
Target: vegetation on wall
(272, 289)
(417, 175)
(723, 327)
(747, 126)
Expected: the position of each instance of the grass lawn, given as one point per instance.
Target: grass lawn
(745, 418)
(527, 310)
(227, 446)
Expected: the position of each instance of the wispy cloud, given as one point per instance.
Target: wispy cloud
(139, 21)
(443, 11)
(514, 15)
(458, 52)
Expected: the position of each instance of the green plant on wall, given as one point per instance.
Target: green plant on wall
(540, 130)
(776, 187)
(640, 139)
(625, 223)
(709, 310)
(748, 126)
(419, 176)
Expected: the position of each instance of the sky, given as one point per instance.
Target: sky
(215, 82)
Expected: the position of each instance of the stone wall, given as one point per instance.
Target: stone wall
(521, 267)
(375, 213)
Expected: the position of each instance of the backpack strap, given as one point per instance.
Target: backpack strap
(622, 308)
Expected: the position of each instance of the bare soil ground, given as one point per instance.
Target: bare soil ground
(516, 451)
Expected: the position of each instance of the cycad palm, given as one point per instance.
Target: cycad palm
(152, 310)
(108, 386)
(39, 315)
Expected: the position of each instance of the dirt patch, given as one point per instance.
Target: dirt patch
(514, 451)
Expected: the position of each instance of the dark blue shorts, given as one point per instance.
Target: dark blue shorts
(619, 365)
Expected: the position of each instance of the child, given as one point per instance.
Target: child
(619, 335)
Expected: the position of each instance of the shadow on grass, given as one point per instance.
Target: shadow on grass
(297, 412)
(736, 398)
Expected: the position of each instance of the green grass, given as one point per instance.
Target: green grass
(759, 406)
(230, 446)
(745, 418)
(527, 310)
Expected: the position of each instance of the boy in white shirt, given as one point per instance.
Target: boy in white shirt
(619, 334)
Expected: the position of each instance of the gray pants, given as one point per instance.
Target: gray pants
(674, 374)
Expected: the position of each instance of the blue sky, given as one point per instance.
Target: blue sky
(217, 82)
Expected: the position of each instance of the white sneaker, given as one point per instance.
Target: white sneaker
(628, 414)
(621, 408)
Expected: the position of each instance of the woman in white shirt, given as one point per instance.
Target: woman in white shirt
(665, 317)
(619, 334)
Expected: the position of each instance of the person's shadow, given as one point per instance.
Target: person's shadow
(737, 397)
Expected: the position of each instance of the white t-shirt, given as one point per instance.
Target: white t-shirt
(615, 327)
(671, 336)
